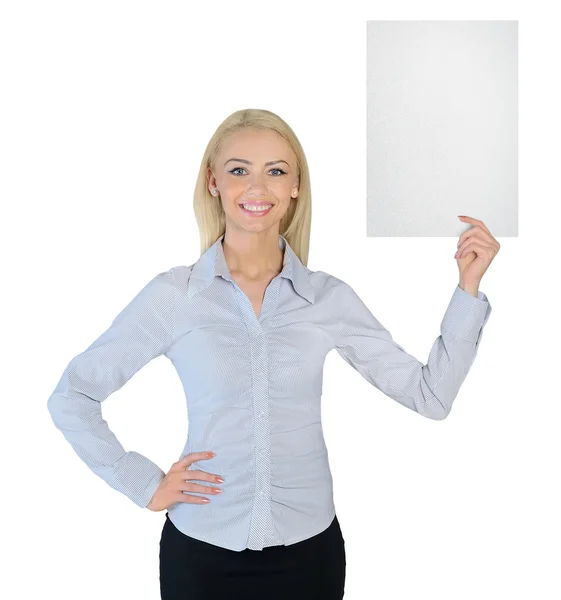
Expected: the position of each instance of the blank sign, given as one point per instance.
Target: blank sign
(442, 126)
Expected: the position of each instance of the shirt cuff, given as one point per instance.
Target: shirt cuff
(137, 477)
(466, 315)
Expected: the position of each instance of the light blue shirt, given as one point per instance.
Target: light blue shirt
(253, 388)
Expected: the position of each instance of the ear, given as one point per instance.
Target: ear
(211, 180)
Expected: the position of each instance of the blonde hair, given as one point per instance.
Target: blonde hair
(295, 224)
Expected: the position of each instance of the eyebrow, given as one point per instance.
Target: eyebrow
(248, 162)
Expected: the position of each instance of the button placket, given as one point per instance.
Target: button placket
(262, 526)
(262, 529)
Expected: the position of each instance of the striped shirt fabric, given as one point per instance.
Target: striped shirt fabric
(253, 386)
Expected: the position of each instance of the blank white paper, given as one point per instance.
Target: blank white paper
(442, 127)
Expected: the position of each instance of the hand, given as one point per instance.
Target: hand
(174, 483)
(476, 249)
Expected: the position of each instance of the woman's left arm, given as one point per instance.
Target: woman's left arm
(430, 388)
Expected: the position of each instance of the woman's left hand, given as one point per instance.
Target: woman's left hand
(476, 249)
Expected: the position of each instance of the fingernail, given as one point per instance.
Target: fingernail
(210, 454)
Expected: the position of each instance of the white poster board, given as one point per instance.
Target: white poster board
(442, 130)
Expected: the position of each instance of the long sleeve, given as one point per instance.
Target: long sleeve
(430, 388)
(143, 330)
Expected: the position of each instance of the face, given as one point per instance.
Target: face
(255, 168)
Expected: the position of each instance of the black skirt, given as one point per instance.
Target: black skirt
(312, 569)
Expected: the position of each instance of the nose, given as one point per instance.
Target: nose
(257, 185)
(257, 192)
(253, 194)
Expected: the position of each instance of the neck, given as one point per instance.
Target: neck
(253, 255)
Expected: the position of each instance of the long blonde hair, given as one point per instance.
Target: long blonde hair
(295, 224)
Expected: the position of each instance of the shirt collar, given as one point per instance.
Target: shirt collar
(212, 263)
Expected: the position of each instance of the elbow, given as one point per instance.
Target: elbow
(73, 411)
(440, 415)
(435, 412)
(432, 403)
(68, 404)
(54, 406)
(433, 407)
(65, 408)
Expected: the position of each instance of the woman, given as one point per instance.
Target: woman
(248, 327)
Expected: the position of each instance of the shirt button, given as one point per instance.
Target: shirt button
(262, 413)
(263, 450)
(262, 494)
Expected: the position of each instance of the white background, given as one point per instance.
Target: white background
(105, 110)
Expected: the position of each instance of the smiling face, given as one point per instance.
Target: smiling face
(255, 168)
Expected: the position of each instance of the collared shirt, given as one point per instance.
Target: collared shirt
(253, 386)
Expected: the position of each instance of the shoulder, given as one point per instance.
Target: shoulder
(324, 279)
(328, 284)
(161, 285)
(160, 289)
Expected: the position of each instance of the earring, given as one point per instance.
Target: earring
(214, 192)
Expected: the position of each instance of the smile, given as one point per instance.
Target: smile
(256, 209)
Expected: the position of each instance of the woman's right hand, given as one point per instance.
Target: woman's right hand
(176, 481)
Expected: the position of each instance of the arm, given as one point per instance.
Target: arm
(143, 330)
(428, 389)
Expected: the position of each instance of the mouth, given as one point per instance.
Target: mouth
(256, 209)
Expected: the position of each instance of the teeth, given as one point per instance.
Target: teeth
(256, 208)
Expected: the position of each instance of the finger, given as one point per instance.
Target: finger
(476, 230)
(465, 235)
(467, 248)
(189, 475)
(479, 249)
(181, 497)
(476, 237)
(474, 222)
(199, 488)
(191, 457)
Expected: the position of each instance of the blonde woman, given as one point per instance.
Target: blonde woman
(249, 503)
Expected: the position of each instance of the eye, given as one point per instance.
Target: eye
(281, 172)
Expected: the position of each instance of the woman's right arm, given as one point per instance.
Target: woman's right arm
(143, 330)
